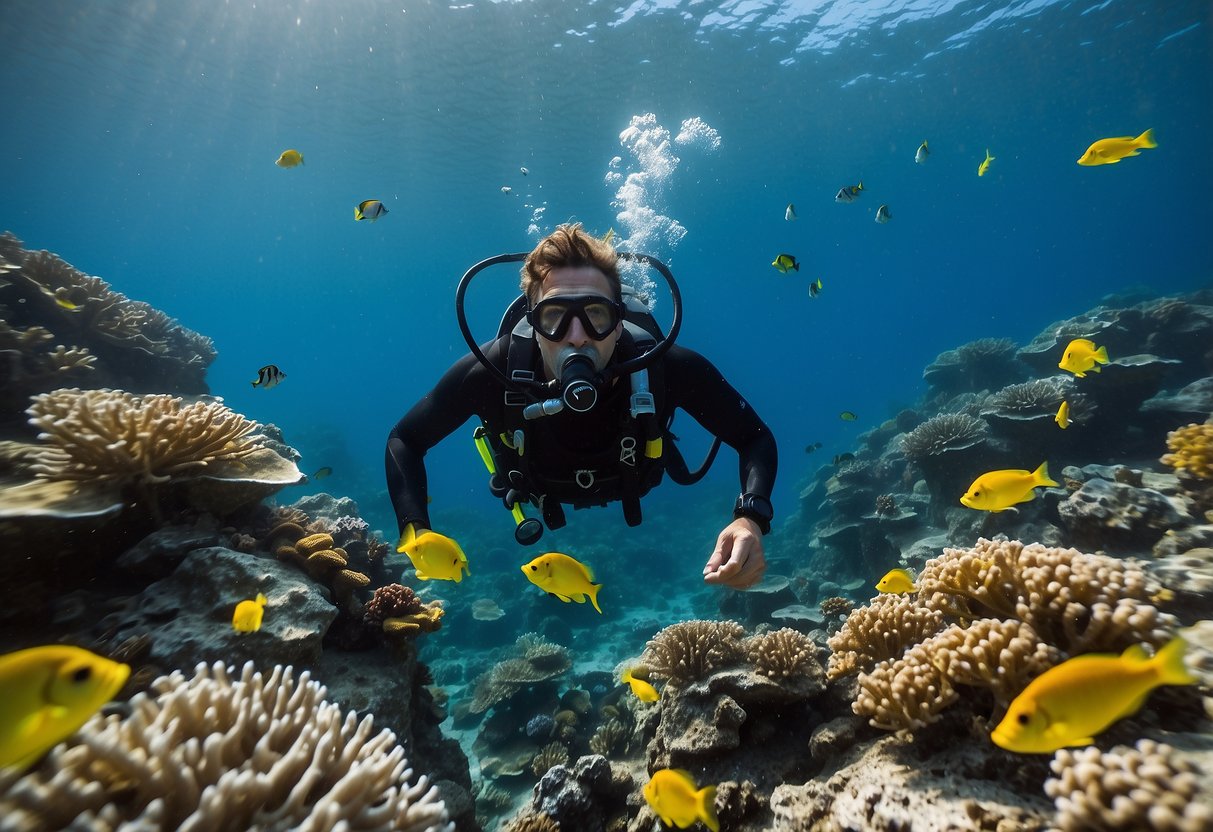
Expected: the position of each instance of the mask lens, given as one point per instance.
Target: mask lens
(602, 318)
(551, 317)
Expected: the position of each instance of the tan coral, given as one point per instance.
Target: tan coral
(690, 650)
(534, 660)
(552, 754)
(532, 823)
(429, 620)
(781, 654)
(1144, 788)
(226, 750)
(608, 736)
(314, 543)
(98, 434)
(880, 631)
(1191, 450)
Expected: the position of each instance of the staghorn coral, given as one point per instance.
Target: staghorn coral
(689, 650)
(1142, 788)
(1074, 601)
(608, 736)
(911, 691)
(880, 631)
(226, 752)
(552, 754)
(780, 654)
(111, 434)
(1191, 450)
(941, 434)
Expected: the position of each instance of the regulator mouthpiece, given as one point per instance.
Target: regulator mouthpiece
(577, 389)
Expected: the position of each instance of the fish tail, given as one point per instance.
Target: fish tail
(1101, 355)
(1170, 661)
(1041, 475)
(593, 593)
(1146, 139)
(705, 805)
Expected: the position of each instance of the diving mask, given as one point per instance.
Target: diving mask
(552, 317)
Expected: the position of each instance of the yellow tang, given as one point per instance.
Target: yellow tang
(985, 166)
(567, 578)
(434, 556)
(290, 159)
(673, 797)
(999, 490)
(1082, 357)
(1111, 151)
(896, 582)
(47, 693)
(247, 617)
(643, 690)
(1070, 703)
(1063, 415)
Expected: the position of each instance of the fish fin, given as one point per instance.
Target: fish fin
(1101, 355)
(1170, 661)
(593, 593)
(1041, 475)
(705, 805)
(1095, 368)
(261, 599)
(564, 598)
(1146, 139)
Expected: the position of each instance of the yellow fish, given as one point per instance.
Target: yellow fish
(1111, 151)
(999, 490)
(1082, 357)
(434, 556)
(567, 578)
(985, 166)
(643, 690)
(1063, 415)
(896, 582)
(47, 693)
(290, 159)
(672, 795)
(247, 617)
(1070, 703)
(785, 263)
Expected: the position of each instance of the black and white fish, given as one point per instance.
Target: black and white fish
(268, 376)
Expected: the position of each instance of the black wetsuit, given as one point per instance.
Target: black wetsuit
(561, 445)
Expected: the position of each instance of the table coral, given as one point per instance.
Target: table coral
(227, 750)
(1144, 788)
(1191, 450)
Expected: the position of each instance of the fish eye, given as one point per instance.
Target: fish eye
(1022, 718)
(534, 568)
(81, 674)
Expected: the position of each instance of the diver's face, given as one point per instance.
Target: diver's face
(576, 280)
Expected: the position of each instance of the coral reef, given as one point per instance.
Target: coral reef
(552, 754)
(977, 365)
(533, 660)
(780, 654)
(221, 750)
(1191, 450)
(687, 651)
(880, 631)
(1144, 788)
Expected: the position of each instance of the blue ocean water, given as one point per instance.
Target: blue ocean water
(140, 138)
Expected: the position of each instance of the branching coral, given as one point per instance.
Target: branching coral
(880, 631)
(99, 434)
(941, 434)
(221, 751)
(689, 650)
(608, 736)
(1191, 450)
(552, 754)
(1146, 788)
(780, 654)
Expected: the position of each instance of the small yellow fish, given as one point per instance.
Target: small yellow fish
(321, 473)
(47, 693)
(785, 263)
(1111, 151)
(567, 578)
(643, 690)
(1063, 415)
(1081, 357)
(369, 209)
(247, 616)
(1070, 703)
(435, 556)
(290, 159)
(847, 416)
(672, 795)
(985, 166)
(896, 582)
(999, 490)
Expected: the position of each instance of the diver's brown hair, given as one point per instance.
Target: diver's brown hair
(569, 246)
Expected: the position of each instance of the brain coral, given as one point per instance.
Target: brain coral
(226, 752)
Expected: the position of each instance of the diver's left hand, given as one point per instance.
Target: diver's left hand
(738, 561)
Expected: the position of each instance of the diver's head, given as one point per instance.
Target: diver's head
(569, 246)
(575, 317)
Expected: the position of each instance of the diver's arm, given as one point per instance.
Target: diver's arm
(461, 393)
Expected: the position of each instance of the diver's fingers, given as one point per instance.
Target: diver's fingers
(724, 546)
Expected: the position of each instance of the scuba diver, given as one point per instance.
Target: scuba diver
(575, 399)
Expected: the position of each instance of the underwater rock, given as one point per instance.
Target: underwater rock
(189, 613)
(324, 506)
(583, 796)
(1119, 517)
(1192, 403)
(978, 365)
(162, 551)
